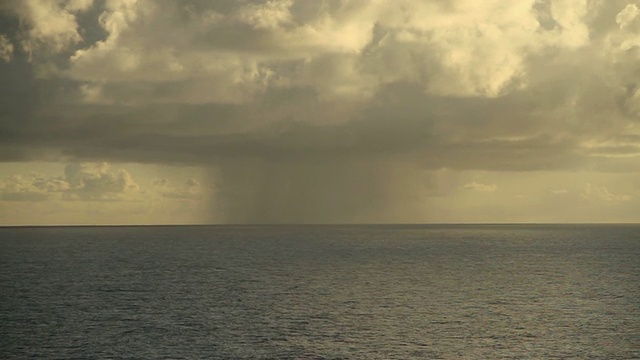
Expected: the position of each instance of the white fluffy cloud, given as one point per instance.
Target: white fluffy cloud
(91, 181)
(233, 52)
(352, 48)
(51, 24)
(81, 181)
(480, 187)
(31, 187)
(601, 193)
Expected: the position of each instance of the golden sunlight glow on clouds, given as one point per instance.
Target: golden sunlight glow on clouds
(90, 193)
(319, 111)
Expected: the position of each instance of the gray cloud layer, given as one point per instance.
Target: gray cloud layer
(298, 102)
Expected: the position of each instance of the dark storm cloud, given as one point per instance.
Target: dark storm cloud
(404, 126)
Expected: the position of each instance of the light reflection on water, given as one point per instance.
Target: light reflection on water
(321, 292)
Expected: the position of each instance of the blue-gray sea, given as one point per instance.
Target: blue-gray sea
(321, 292)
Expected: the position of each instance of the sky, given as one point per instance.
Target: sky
(327, 111)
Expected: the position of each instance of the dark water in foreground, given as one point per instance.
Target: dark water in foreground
(321, 292)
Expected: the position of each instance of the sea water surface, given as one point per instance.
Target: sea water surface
(321, 292)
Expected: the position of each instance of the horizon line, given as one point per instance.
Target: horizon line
(316, 224)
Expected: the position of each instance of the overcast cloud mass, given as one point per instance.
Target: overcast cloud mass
(328, 111)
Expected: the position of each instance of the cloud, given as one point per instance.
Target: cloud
(350, 49)
(266, 92)
(629, 18)
(51, 26)
(189, 190)
(6, 48)
(91, 181)
(480, 187)
(596, 193)
(31, 187)
(271, 15)
(81, 181)
(464, 49)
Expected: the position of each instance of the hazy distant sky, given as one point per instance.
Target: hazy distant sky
(319, 111)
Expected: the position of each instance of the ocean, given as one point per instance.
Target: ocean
(321, 292)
